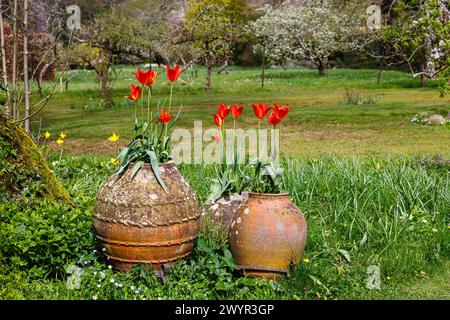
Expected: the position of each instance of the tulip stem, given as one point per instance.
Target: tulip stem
(149, 105)
(234, 142)
(170, 97)
(142, 109)
(257, 140)
(170, 105)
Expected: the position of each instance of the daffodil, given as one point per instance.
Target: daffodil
(114, 161)
(62, 135)
(60, 141)
(47, 135)
(114, 137)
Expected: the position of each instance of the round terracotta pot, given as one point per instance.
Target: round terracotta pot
(267, 235)
(137, 222)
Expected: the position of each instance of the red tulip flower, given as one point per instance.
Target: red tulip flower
(135, 93)
(281, 111)
(146, 78)
(260, 110)
(219, 120)
(165, 117)
(224, 111)
(236, 111)
(173, 74)
(274, 118)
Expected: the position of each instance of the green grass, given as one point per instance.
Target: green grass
(320, 122)
(352, 171)
(392, 213)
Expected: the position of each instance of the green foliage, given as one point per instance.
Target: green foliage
(418, 35)
(214, 27)
(43, 239)
(352, 96)
(391, 213)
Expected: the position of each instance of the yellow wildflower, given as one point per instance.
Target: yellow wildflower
(423, 273)
(114, 137)
(60, 141)
(114, 161)
(306, 260)
(47, 135)
(62, 135)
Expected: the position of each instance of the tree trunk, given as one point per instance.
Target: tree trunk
(423, 77)
(208, 79)
(225, 64)
(16, 113)
(380, 70)
(263, 75)
(5, 73)
(105, 90)
(321, 63)
(25, 66)
(24, 169)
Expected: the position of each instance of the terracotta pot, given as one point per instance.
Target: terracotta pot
(267, 235)
(136, 221)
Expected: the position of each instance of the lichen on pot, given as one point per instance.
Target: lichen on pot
(136, 221)
(223, 209)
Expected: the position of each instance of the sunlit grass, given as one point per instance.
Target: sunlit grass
(320, 122)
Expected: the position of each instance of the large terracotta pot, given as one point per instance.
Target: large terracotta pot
(136, 221)
(267, 234)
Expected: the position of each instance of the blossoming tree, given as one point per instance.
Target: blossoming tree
(313, 32)
(418, 36)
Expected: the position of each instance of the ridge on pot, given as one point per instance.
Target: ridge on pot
(136, 221)
(267, 235)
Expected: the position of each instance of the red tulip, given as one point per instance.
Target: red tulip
(219, 120)
(281, 111)
(224, 111)
(273, 118)
(260, 110)
(236, 111)
(164, 118)
(135, 93)
(173, 74)
(146, 78)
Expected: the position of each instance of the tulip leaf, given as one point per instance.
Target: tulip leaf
(155, 168)
(136, 168)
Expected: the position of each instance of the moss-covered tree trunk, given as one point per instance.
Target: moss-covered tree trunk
(23, 169)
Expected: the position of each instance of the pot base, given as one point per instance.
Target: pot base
(263, 274)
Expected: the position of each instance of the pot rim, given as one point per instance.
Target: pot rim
(261, 194)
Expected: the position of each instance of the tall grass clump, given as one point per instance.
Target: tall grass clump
(390, 213)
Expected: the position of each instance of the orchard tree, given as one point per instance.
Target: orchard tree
(118, 34)
(213, 27)
(418, 36)
(311, 32)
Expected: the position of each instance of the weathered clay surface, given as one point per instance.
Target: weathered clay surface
(138, 222)
(267, 234)
(223, 209)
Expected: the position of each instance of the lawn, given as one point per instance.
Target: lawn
(353, 171)
(320, 122)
